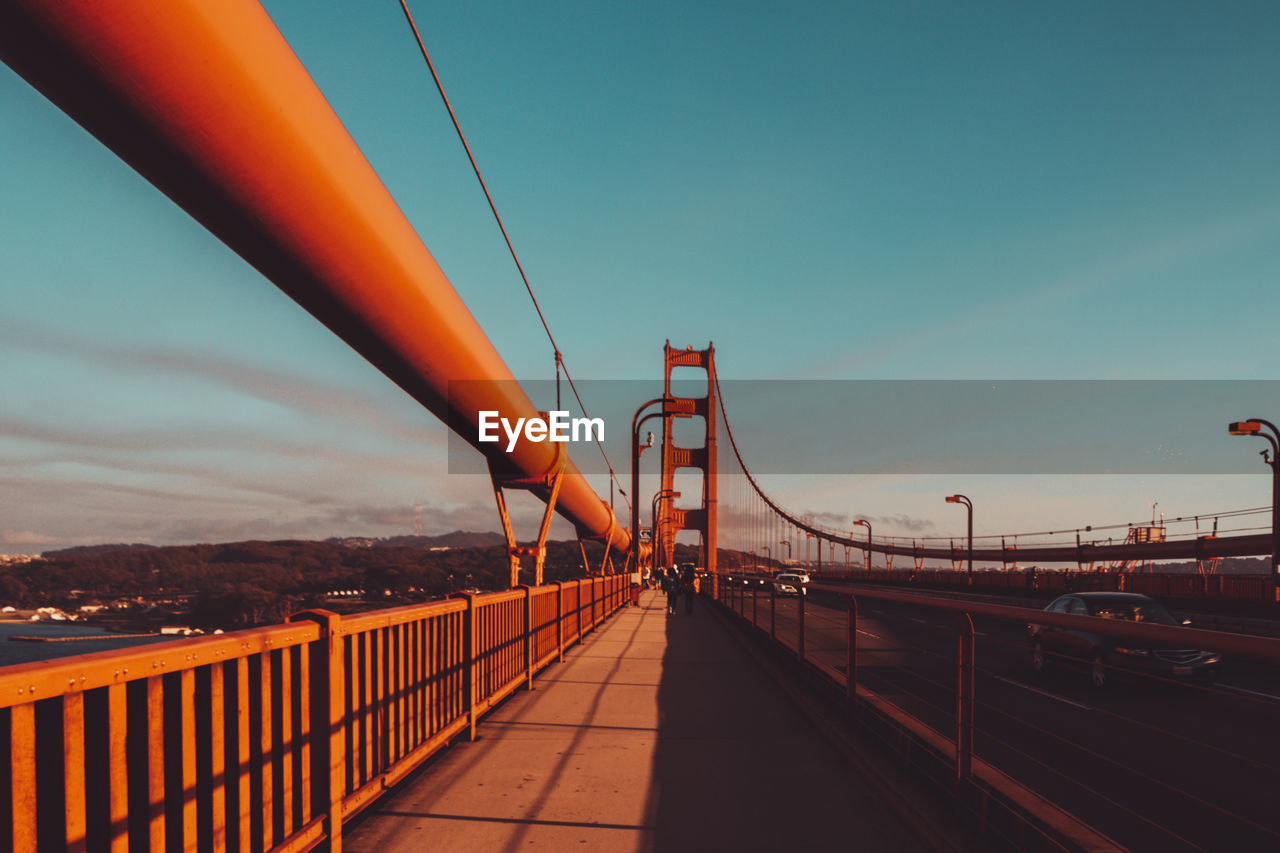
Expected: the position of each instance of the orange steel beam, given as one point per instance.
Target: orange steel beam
(209, 103)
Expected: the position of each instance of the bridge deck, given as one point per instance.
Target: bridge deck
(659, 733)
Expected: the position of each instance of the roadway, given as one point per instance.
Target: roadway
(1153, 765)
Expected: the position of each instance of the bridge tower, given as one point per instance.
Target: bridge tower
(702, 518)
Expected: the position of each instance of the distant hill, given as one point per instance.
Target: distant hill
(456, 539)
(1226, 566)
(95, 550)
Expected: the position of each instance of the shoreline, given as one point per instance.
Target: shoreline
(30, 638)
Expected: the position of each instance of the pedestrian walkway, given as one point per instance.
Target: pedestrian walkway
(658, 733)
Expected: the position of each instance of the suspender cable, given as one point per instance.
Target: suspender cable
(510, 248)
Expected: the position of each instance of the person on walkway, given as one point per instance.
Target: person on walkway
(688, 586)
(671, 585)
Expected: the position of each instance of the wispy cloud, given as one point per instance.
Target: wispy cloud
(901, 521)
(148, 442)
(24, 538)
(348, 520)
(291, 390)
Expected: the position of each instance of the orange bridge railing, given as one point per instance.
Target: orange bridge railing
(269, 738)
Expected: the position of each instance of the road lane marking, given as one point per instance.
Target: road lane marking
(869, 634)
(929, 624)
(1044, 693)
(1250, 692)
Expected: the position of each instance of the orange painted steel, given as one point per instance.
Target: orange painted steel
(702, 519)
(284, 732)
(209, 103)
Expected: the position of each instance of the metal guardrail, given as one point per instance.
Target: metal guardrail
(1159, 585)
(269, 738)
(973, 779)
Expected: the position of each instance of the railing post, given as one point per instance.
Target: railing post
(528, 635)
(964, 697)
(800, 620)
(754, 612)
(118, 765)
(470, 629)
(22, 786)
(851, 656)
(773, 611)
(73, 773)
(560, 620)
(329, 685)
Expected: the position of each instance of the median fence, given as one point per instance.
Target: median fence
(1159, 585)
(1074, 747)
(266, 739)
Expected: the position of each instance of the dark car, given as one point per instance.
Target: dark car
(1103, 655)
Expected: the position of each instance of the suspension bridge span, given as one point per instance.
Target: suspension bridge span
(930, 709)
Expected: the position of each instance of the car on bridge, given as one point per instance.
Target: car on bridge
(1105, 656)
(791, 583)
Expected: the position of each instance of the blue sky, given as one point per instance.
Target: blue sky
(829, 191)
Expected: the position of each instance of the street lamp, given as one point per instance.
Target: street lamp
(1254, 426)
(961, 499)
(788, 544)
(859, 522)
(653, 521)
(636, 451)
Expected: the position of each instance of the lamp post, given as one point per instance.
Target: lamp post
(1254, 426)
(961, 499)
(636, 450)
(788, 544)
(866, 524)
(653, 508)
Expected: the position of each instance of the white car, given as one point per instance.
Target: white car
(791, 583)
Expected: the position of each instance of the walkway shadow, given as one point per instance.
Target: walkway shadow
(736, 767)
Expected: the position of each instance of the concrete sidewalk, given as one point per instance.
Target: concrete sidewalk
(657, 734)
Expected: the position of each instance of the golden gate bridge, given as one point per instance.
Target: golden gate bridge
(275, 738)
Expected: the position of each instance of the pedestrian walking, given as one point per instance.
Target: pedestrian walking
(671, 586)
(688, 586)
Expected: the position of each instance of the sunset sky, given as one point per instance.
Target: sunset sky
(853, 191)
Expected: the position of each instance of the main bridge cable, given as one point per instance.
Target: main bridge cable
(861, 545)
(1204, 516)
(559, 357)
